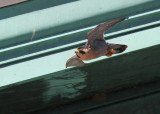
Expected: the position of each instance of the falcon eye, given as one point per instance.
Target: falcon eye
(82, 52)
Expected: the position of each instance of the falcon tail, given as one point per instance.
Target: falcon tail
(118, 48)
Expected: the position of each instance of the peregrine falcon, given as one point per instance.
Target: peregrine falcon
(96, 45)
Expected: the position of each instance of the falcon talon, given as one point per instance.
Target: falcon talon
(96, 45)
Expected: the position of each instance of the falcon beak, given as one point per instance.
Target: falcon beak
(76, 51)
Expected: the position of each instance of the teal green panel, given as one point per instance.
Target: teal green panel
(148, 104)
(49, 21)
(54, 89)
(56, 62)
(129, 25)
(36, 42)
(30, 6)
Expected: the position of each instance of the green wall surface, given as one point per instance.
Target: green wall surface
(37, 40)
(56, 62)
(55, 20)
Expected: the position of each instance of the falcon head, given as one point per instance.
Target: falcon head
(80, 51)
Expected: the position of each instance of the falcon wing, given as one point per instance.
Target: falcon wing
(97, 33)
(74, 61)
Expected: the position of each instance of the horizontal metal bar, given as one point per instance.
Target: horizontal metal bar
(56, 62)
(47, 22)
(57, 41)
(12, 52)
